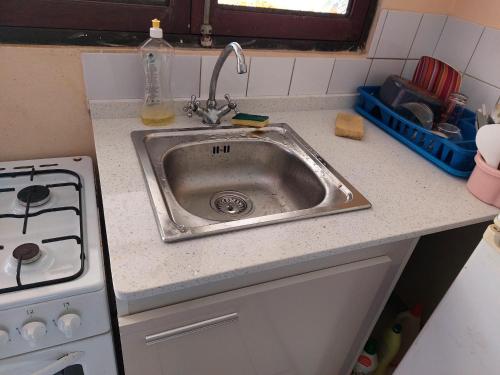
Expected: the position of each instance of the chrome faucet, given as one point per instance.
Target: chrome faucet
(211, 114)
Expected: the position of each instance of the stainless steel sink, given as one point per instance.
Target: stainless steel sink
(203, 181)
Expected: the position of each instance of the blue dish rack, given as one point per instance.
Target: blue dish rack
(456, 158)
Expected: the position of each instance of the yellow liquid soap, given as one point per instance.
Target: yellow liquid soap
(157, 55)
(157, 115)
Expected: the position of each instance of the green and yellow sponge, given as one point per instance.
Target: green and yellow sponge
(245, 119)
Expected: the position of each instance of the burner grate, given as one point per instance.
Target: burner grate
(27, 214)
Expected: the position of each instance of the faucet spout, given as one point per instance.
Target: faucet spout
(241, 68)
(210, 114)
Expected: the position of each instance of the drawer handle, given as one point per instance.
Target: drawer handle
(190, 328)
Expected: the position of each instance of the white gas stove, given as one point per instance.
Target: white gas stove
(53, 305)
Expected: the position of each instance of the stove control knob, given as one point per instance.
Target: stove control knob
(4, 337)
(68, 324)
(33, 332)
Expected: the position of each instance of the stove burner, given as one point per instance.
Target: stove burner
(39, 195)
(27, 253)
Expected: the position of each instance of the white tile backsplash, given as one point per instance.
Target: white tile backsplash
(485, 63)
(230, 82)
(397, 35)
(378, 31)
(348, 75)
(427, 36)
(409, 69)
(400, 39)
(270, 76)
(113, 75)
(479, 93)
(380, 69)
(186, 76)
(311, 75)
(458, 42)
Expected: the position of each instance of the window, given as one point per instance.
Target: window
(312, 24)
(268, 19)
(317, 6)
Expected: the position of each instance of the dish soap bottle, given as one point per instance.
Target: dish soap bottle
(157, 57)
(390, 346)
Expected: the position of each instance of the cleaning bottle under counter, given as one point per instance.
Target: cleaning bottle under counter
(411, 322)
(157, 57)
(367, 361)
(389, 348)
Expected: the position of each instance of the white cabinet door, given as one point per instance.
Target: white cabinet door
(300, 325)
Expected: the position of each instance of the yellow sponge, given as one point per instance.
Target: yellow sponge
(349, 125)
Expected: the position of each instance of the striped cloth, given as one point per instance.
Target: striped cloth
(437, 77)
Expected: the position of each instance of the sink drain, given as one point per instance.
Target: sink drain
(231, 203)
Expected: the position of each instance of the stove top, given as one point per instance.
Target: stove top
(49, 234)
(43, 241)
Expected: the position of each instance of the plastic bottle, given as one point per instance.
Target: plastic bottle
(389, 348)
(368, 360)
(157, 57)
(410, 321)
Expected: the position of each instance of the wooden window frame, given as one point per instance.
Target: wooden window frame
(115, 23)
(95, 15)
(277, 24)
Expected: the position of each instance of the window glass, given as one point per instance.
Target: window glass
(317, 6)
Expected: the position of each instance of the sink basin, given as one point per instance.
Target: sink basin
(203, 181)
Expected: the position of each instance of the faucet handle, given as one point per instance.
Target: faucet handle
(191, 106)
(231, 103)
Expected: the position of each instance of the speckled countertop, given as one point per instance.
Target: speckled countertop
(410, 197)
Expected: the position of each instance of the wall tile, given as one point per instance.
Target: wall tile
(380, 69)
(397, 36)
(409, 69)
(186, 76)
(270, 76)
(311, 76)
(378, 31)
(348, 75)
(427, 36)
(457, 42)
(111, 76)
(485, 63)
(230, 82)
(479, 93)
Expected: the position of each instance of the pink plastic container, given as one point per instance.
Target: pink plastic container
(484, 182)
